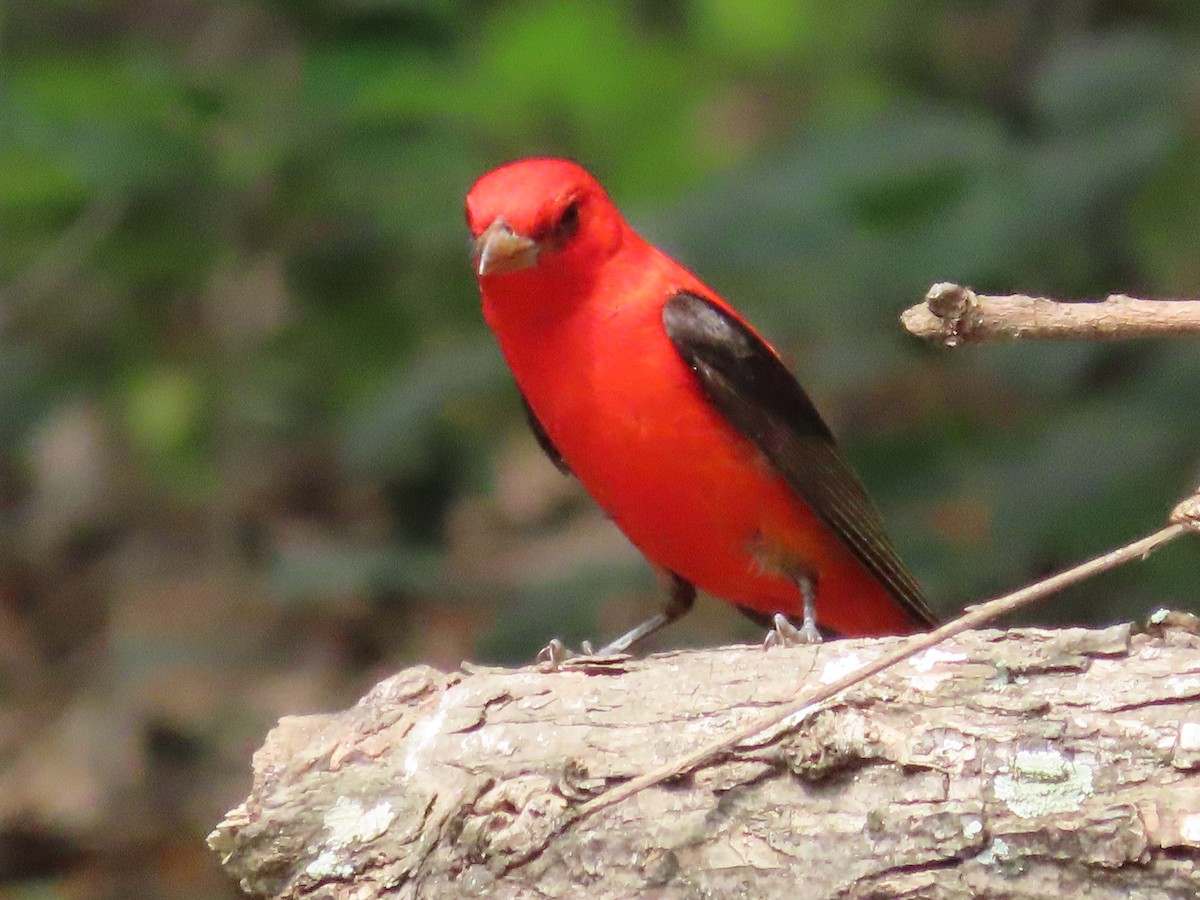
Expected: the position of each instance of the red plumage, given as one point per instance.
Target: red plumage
(576, 299)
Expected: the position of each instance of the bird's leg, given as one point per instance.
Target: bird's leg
(681, 596)
(783, 633)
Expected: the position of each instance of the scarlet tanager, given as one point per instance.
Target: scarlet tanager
(678, 418)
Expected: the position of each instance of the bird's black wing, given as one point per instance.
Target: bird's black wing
(543, 439)
(756, 393)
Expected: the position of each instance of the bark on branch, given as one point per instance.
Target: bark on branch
(1026, 763)
(953, 315)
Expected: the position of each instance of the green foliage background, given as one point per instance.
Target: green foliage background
(253, 429)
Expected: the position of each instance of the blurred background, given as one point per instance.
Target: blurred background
(258, 450)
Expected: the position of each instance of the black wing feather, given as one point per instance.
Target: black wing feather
(754, 390)
(543, 439)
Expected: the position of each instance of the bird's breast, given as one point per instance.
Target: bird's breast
(629, 418)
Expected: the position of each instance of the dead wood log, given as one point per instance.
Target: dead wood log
(1005, 764)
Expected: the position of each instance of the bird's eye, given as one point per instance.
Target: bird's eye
(564, 226)
(568, 223)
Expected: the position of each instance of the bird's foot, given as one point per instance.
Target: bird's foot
(555, 653)
(784, 634)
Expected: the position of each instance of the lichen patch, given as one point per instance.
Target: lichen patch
(1044, 782)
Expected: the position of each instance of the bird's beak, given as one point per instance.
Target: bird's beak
(500, 249)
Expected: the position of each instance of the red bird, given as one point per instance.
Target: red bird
(678, 418)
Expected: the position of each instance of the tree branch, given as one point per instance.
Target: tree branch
(954, 315)
(474, 808)
(1025, 763)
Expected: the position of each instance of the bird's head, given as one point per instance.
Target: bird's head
(545, 216)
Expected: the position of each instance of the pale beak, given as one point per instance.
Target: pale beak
(500, 249)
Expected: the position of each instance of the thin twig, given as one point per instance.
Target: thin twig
(954, 315)
(1184, 517)
(61, 262)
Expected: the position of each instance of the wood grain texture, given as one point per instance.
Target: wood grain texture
(1018, 764)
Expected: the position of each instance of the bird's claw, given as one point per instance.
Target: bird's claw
(784, 634)
(555, 653)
